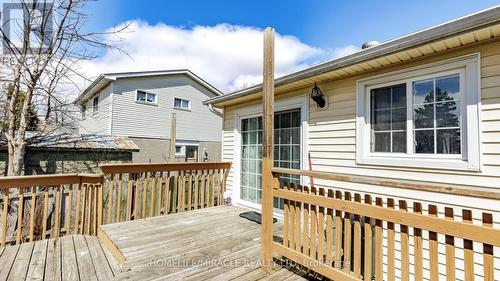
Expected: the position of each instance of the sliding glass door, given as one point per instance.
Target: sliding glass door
(287, 128)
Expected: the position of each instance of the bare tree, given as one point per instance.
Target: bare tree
(39, 64)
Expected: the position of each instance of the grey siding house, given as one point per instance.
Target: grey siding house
(139, 105)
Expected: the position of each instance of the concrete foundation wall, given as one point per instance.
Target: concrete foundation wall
(53, 161)
(158, 151)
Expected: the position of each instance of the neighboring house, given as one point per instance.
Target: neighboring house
(425, 106)
(139, 105)
(65, 152)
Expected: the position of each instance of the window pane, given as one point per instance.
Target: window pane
(185, 103)
(177, 102)
(399, 119)
(424, 141)
(423, 92)
(296, 119)
(253, 124)
(381, 98)
(399, 96)
(399, 142)
(423, 116)
(285, 120)
(381, 120)
(141, 96)
(447, 114)
(285, 136)
(448, 88)
(382, 142)
(151, 97)
(448, 141)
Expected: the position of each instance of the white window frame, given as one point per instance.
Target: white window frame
(255, 111)
(84, 111)
(469, 159)
(181, 108)
(155, 102)
(95, 107)
(183, 144)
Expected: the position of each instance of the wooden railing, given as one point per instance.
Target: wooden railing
(137, 191)
(40, 207)
(48, 206)
(341, 235)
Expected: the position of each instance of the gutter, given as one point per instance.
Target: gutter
(443, 31)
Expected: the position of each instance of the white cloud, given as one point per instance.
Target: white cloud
(227, 56)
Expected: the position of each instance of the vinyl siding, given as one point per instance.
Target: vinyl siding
(98, 122)
(153, 121)
(331, 143)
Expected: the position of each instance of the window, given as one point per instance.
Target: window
(424, 117)
(84, 109)
(180, 150)
(287, 135)
(145, 97)
(95, 104)
(182, 104)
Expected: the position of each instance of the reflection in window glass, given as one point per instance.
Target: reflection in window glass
(388, 119)
(286, 153)
(436, 115)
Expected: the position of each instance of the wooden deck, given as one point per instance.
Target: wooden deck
(76, 257)
(205, 244)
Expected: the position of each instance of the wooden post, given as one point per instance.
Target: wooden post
(267, 150)
(173, 131)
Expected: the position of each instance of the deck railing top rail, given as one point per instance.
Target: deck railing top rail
(48, 180)
(155, 167)
(455, 189)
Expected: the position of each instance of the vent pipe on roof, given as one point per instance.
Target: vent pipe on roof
(369, 44)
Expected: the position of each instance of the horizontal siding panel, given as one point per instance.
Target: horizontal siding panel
(331, 141)
(489, 93)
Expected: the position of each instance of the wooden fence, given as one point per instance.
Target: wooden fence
(340, 234)
(48, 206)
(144, 190)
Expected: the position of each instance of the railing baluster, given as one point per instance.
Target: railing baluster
(110, 197)
(5, 213)
(405, 248)
(99, 204)
(338, 233)
(286, 219)
(390, 244)
(368, 243)
(119, 198)
(291, 227)
(347, 236)
(378, 244)
(32, 213)
(321, 227)
(212, 202)
(168, 194)
(297, 221)
(357, 240)
(196, 194)
(77, 210)
(69, 205)
(488, 265)
(136, 196)
(417, 245)
(128, 201)
(154, 182)
(468, 249)
(160, 193)
(305, 226)
(88, 207)
(145, 186)
(202, 190)
(94, 212)
(190, 190)
(57, 224)
(433, 247)
(313, 228)
(45, 211)
(450, 248)
(329, 231)
(20, 210)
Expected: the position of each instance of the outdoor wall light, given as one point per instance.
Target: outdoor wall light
(317, 96)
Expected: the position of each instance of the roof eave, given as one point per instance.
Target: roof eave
(440, 32)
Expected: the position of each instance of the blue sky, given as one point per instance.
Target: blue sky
(321, 23)
(221, 41)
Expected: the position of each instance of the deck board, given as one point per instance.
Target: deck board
(204, 244)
